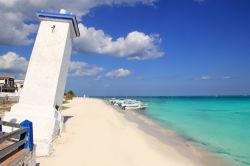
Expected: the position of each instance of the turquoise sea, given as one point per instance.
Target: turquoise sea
(220, 124)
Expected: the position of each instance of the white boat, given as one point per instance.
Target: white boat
(133, 105)
(116, 102)
(128, 104)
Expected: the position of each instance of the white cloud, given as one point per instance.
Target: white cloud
(135, 46)
(12, 64)
(206, 78)
(118, 73)
(15, 14)
(13, 30)
(81, 69)
(214, 78)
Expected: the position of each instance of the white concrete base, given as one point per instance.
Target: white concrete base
(47, 124)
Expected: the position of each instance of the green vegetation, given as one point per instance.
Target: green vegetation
(69, 95)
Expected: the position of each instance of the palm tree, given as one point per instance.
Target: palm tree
(69, 95)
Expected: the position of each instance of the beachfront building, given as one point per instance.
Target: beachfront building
(10, 86)
(7, 85)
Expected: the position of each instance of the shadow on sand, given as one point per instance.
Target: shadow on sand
(66, 118)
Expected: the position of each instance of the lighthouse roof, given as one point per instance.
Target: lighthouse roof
(63, 17)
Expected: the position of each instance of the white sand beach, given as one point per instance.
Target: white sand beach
(97, 134)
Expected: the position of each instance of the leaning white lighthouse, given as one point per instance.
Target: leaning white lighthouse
(45, 80)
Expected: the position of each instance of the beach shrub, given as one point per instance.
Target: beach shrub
(69, 95)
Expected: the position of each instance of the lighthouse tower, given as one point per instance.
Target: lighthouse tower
(42, 95)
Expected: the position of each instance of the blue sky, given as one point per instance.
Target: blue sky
(196, 48)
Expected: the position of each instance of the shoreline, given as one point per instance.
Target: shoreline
(97, 134)
(168, 136)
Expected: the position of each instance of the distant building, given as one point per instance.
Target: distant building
(7, 85)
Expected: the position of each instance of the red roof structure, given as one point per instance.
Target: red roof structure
(8, 85)
(6, 78)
